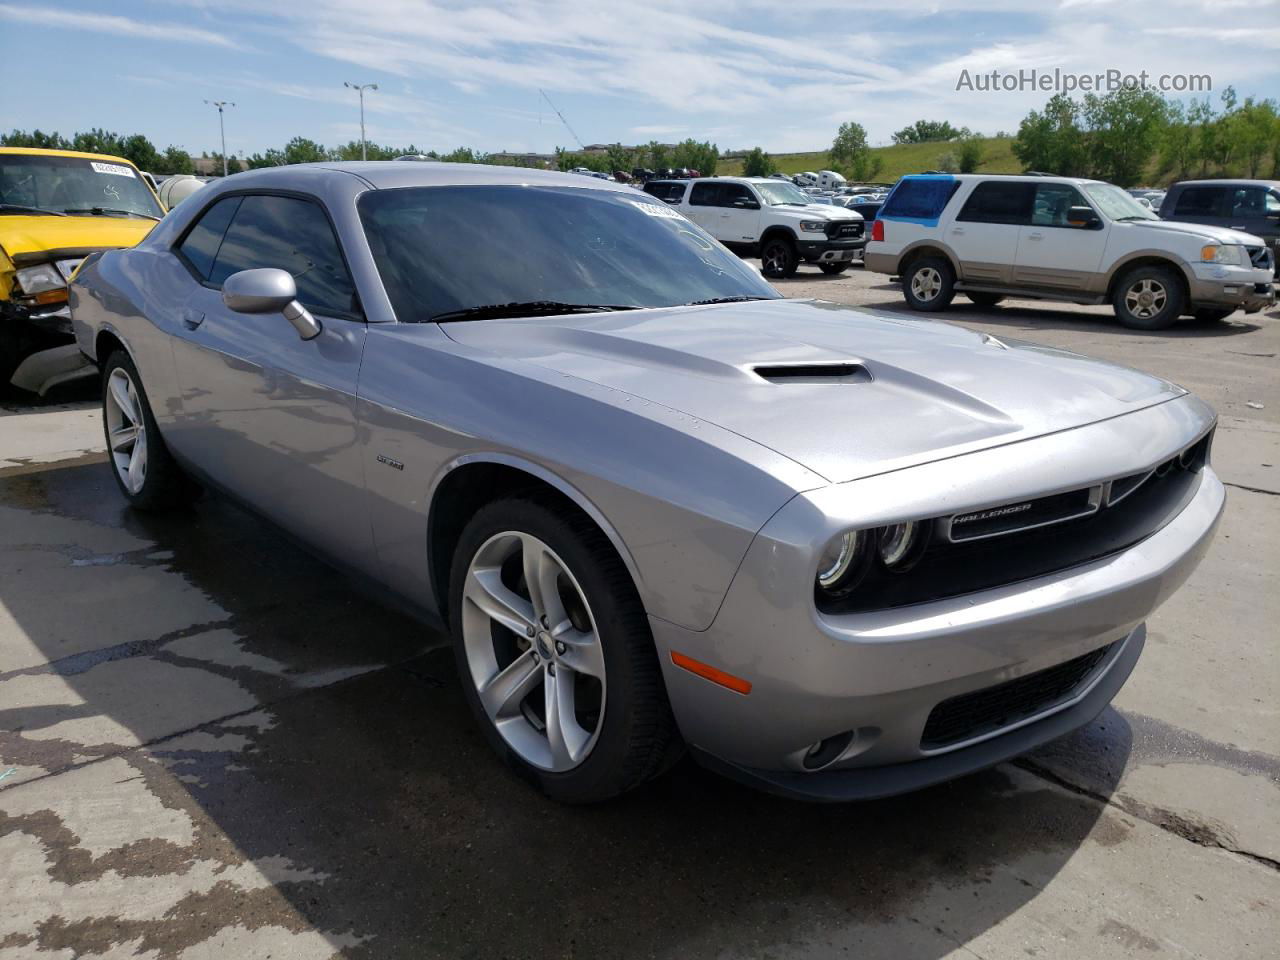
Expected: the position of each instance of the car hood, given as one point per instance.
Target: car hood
(22, 234)
(818, 211)
(911, 391)
(1202, 230)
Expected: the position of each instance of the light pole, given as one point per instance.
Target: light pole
(360, 88)
(222, 129)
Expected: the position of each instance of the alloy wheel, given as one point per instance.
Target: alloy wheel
(1146, 298)
(926, 283)
(126, 430)
(533, 651)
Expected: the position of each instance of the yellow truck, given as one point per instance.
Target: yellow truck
(57, 207)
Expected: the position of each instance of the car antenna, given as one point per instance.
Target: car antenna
(581, 145)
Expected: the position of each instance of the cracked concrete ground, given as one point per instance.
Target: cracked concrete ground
(214, 746)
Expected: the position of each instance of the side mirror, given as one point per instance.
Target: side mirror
(1084, 218)
(268, 290)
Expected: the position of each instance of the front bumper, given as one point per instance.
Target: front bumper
(831, 251)
(881, 673)
(1244, 288)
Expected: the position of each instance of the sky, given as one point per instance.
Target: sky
(781, 75)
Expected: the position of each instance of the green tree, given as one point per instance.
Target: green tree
(302, 150)
(969, 153)
(1177, 142)
(928, 131)
(1051, 140)
(656, 156)
(37, 139)
(175, 160)
(272, 158)
(757, 163)
(702, 156)
(620, 158)
(98, 140)
(1125, 129)
(140, 151)
(1252, 132)
(851, 155)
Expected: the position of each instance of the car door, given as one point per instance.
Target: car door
(265, 414)
(1055, 249)
(984, 234)
(1247, 209)
(739, 214)
(704, 206)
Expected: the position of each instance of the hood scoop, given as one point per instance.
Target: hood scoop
(813, 373)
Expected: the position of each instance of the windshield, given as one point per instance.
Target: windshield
(75, 185)
(777, 193)
(441, 250)
(1116, 204)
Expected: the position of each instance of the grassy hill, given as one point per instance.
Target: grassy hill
(997, 157)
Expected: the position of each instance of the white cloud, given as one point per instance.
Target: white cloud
(109, 23)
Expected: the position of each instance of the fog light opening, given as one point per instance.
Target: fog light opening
(826, 752)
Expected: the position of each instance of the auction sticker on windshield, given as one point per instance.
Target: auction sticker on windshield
(116, 169)
(654, 210)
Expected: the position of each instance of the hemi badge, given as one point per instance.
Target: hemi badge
(389, 462)
(991, 514)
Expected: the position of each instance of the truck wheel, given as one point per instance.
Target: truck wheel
(832, 269)
(928, 284)
(555, 654)
(145, 471)
(984, 299)
(779, 258)
(1208, 315)
(1148, 298)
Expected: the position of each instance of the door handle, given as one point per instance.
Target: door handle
(192, 318)
(1237, 226)
(1035, 236)
(957, 230)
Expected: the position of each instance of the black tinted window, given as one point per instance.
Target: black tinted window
(731, 193)
(665, 190)
(200, 248)
(1201, 202)
(998, 201)
(443, 249)
(705, 195)
(1248, 202)
(919, 198)
(293, 235)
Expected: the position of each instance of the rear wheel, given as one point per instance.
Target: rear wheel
(779, 258)
(831, 269)
(555, 653)
(1214, 315)
(144, 470)
(928, 284)
(1148, 298)
(985, 299)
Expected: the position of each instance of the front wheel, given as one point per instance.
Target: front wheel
(555, 654)
(1148, 298)
(928, 284)
(144, 470)
(832, 269)
(779, 258)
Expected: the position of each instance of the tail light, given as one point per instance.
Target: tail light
(877, 230)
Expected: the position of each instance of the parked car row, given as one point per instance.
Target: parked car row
(1071, 239)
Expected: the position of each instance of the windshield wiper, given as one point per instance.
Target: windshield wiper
(1134, 216)
(526, 308)
(103, 211)
(23, 208)
(703, 303)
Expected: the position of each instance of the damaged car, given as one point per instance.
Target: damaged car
(57, 206)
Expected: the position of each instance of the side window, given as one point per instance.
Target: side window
(1273, 204)
(1201, 202)
(999, 201)
(292, 235)
(920, 198)
(731, 193)
(1248, 201)
(705, 195)
(1053, 202)
(200, 247)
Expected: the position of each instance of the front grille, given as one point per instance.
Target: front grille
(1260, 257)
(839, 230)
(984, 711)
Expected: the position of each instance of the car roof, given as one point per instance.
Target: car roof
(1011, 177)
(1233, 182)
(42, 152)
(390, 174)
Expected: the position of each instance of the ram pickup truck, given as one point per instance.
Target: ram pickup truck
(776, 221)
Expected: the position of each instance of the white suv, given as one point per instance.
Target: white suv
(1062, 238)
(771, 219)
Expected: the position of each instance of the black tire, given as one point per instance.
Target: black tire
(1210, 315)
(984, 299)
(942, 282)
(1166, 304)
(637, 739)
(779, 258)
(164, 485)
(832, 269)
(9, 357)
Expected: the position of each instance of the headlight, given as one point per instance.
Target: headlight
(902, 544)
(1231, 254)
(43, 283)
(814, 226)
(844, 562)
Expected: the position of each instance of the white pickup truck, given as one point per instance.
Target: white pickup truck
(771, 219)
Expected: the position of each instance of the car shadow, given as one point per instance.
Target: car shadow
(327, 744)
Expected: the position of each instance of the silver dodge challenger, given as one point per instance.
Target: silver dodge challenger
(832, 553)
